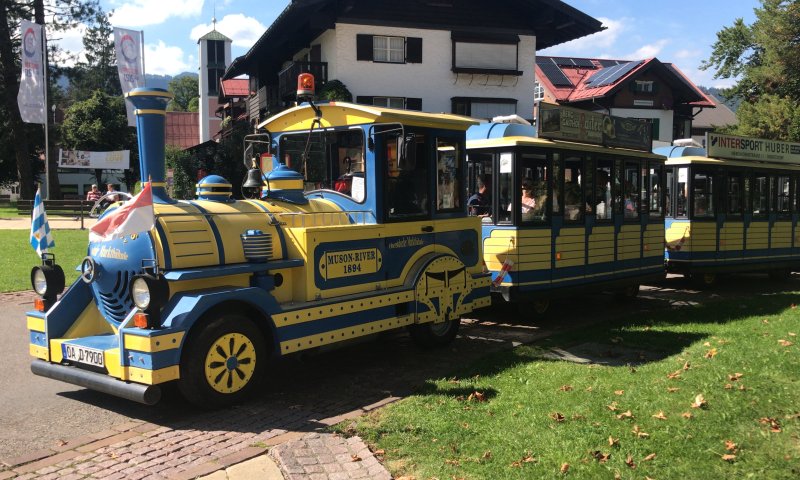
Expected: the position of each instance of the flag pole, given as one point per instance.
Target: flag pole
(143, 63)
(46, 137)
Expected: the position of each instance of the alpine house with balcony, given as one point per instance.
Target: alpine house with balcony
(469, 57)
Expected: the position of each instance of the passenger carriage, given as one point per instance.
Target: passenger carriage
(357, 226)
(732, 208)
(596, 219)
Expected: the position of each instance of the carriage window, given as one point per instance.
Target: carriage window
(794, 194)
(505, 185)
(573, 189)
(703, 194)
(617, 186)
(783, 195)
(670, 187)
(602, 191)
(328, 160)
(557, 199)
(759, 195)
(448, 175)
(407, 179)
(534, 175)
(631, 182)
(654, 184)
(683, 178)
(734, 194)
(479, 172)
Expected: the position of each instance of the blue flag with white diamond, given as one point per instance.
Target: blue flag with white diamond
(41, 238)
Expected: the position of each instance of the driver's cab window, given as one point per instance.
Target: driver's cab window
(479, 202)
(328, 160)
(407, 182)
(448, 175)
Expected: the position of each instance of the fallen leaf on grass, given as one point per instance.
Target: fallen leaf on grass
(730, 446)
(687, 415)
(785, 343)
(707, 344)
(613, 407)
(728, 386)
(649, 457)
(699, 401)
(452, 461)
(674, 375)
(711, 353)
(639, 433)
(629, 462)
(660, 415)
(729, 457)
(565, 388)
(619, 392)
(588, 389)
(774, 426)
(792, 334)
(612, 441)
(476, 396)
(624, 415)
(686, 366)
(487, 455)
(742, 387)
(735, 377)
(600, 456)
(557, 416)
(564, 467)
(764, 321)
(672, 389)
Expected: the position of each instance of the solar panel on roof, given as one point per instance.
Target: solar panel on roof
(543, 60)
(621, 71)
(608, 63)
(600, 75)
(563, 61)
(583, 62)
(555, 75)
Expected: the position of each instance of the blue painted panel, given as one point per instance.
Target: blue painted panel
(325, 325)
(38, 338)
(70, 306)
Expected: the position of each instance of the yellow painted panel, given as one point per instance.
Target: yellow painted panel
(153, 377)
(565, 262)
(601, 258)
(534, 249)
(36, 324)
(531, 265)
(153, 344)
(539, 257)
(56, 356)
(567, 255)
(38, 351)
(113, 366)
(538, 233)
(89, 322)
(353, 306)
(334, 336)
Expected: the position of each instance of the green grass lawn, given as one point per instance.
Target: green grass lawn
(18, 257)
(9, 212)
(722, 402)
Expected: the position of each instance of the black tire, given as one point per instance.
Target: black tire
(432, 335)
(534, 309)
(223, 362)
(627, 294)
(705, 280)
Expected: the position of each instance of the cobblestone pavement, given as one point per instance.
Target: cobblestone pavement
(328, 457)
(304, 396)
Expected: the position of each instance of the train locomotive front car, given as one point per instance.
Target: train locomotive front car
(357, 226)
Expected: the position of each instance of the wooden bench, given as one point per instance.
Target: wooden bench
(77, 209)
(5, 200)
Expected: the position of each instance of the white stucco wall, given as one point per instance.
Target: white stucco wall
(432, 80)
(664, 116)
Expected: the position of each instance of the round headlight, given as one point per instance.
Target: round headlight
(140, 293)
(39, 281)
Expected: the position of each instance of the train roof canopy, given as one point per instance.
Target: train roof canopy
(341, 114)
(527, 141)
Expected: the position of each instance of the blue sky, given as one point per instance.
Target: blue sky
(677, 31)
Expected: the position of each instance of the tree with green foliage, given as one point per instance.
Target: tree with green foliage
(186, 94)
(764, 59)
(61, 15)
(99, 70)
(335, 90)
(100, 124)
(183, 173)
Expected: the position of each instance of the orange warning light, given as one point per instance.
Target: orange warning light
(305, 85)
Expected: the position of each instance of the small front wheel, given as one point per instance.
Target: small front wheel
(430, 335)
(780, 275)
(223, 362)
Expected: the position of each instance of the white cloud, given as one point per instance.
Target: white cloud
(685, 54)
(648, 51)
(163, 59)
(71, 41)
(139, 13)
(243, 30)
(588, 46)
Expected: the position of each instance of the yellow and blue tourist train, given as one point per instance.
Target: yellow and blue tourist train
(732, 207)
(568, 212)
(357, 226)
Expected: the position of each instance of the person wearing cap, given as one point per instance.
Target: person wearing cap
(93, 195)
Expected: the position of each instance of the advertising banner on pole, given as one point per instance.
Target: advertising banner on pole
(746, 148)
(564, 123)
(31, 84)
(118, 160)
(130, 64)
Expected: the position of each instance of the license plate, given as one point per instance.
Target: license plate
(89, 356)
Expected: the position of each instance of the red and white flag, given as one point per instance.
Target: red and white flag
(134, 216)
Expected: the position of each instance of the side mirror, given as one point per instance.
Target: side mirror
(408, 152)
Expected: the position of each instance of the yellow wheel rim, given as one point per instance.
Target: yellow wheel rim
(230, 363)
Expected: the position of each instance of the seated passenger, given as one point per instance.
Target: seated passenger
(480, 203)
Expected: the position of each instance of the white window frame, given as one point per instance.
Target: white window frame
(389, 102)
(644, 86)
(384, 53)
(538, 92)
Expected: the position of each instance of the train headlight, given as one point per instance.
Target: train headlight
(150, 293)
(140, 293)
(48, 280)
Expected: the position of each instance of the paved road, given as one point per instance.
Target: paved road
(303, 393)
